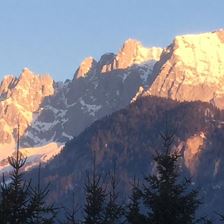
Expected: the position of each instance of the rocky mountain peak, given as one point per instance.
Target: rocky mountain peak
(192, 68)
(27, 76)
(20, 99)
(31, 89)
(7, 79)
(6, 85)
(87, 66)
(105, 63)
(26, 72)
(130, 46)
(132, 53)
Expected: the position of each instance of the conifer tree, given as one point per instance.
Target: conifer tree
(95, 197)
(114, 211)
(71, 213)
(15, 194)
(42, 213)
(167, 198)
(133, 213)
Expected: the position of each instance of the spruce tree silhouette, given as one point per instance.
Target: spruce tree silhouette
(71, 213)
(133, 212)
(42, 213)
(114, 211)
(15, 194)
(167, 198)
(95, 196)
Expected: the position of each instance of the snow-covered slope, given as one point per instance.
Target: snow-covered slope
(34, 155)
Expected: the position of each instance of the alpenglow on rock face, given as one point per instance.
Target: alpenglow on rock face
(192, 68)
(94, 92)
(51, 112)
(132, 53)
(20, 98)
(87, 66)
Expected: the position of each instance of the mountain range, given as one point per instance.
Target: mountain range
(51, 113)
(117, 106)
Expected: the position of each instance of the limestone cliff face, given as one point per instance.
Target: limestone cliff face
(98, 89)
(20, 98)
(193, 148)
(7, 84)
(192, 68)
(87, 66)
(132, 53)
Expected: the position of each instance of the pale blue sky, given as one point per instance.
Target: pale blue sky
(54, 36)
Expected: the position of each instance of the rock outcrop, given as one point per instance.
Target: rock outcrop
(86, 67)
(132, 53)
(192, 68)
(20, 99)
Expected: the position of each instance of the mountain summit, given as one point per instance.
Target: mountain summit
(132, 53)
(20, 99)
(87, 66)
(192, 68)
